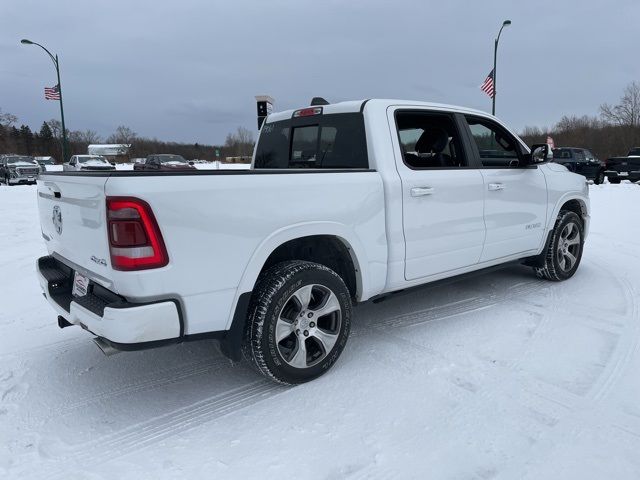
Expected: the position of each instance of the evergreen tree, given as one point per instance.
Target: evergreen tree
(26, 139)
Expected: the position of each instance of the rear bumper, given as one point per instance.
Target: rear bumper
(106, 314)
(632, 175)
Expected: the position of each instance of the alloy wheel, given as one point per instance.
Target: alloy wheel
(568, 246)
(308, 326)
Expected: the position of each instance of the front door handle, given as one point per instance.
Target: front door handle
(496, 186)
(421, 191)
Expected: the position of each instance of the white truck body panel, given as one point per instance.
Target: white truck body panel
(401, 226)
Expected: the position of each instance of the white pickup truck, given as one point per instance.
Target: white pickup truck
(344, 202)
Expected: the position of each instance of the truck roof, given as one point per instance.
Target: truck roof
(358, 105)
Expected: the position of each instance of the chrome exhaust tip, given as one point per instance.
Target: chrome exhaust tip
(105, 347)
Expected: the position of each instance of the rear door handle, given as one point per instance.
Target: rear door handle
(421, 191)
(496, 186)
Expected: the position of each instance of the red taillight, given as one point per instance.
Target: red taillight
(135, 240)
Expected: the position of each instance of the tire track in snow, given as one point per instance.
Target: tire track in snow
(558, 406)
(460, 307)
(160, 378)
(49, 348)
(487, 393)
(570, 424)
(144, 434)
(627, 346)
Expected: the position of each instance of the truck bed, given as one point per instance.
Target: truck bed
(213, 223)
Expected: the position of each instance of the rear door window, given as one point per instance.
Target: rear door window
(429, 140)
(335, 141)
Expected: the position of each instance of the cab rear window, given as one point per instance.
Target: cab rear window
(333, 141)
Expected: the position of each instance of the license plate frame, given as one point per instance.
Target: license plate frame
(80, 285)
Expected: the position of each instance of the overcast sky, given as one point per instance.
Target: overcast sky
(188, 70)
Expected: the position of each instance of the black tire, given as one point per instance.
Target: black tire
(599, 178)
(275, 302)
(557, 264)
(615, 181)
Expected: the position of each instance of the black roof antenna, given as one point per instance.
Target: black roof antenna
(318, 101)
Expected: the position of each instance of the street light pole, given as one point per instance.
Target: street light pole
(506, 23)
(56, 64)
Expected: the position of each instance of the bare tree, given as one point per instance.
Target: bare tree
(89, 136)
(627, 112)
(122, 134)
(573, 122)
(240, 143)
(56, 128)
(7, 119)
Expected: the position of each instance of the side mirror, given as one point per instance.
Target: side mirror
(113, 163)
(191, 163)
(540, 153)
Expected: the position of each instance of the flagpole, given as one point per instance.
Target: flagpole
(56, 64)
(506, 23)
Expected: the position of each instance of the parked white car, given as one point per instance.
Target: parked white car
(87, 162)
(343, 203)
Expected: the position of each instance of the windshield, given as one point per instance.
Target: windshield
(171, 159)
(20, 159)
(92, 160)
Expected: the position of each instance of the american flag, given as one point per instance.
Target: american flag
(52, 93)
(487, 86)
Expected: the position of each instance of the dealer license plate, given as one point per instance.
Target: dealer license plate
(80, 285)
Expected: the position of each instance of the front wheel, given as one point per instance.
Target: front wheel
(564, 252)
(299, 321)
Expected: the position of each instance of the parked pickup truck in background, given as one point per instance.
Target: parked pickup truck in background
(164, 163)
(343, 203)
(624, 168)
(580, 161)
(87, 162)
(17, 169)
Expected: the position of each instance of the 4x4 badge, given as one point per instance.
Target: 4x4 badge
(56, 218)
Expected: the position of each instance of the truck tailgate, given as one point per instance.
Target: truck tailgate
(73, 219)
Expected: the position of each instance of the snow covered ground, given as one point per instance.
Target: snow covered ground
(499, 376)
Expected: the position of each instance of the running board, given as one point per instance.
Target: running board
(105, 347)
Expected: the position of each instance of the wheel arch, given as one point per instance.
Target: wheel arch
(576, 205)
(323, 237)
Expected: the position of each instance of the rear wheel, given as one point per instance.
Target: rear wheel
(564, 252)
(599, 178)
(299, 322)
